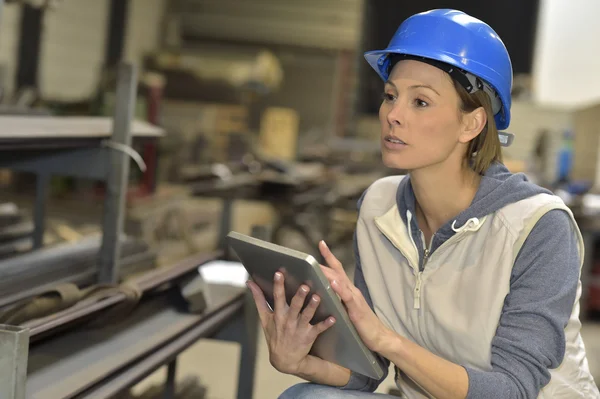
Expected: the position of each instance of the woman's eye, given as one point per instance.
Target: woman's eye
(420, 103)
(387, 97)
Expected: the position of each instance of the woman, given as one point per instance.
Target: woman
(472, 272)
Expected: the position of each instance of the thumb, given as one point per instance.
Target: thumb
(260, 301)
(331, 260)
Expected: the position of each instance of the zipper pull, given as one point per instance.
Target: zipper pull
(417, 292)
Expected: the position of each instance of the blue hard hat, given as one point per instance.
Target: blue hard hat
(471, 51)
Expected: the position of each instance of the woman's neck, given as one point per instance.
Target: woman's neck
(441, 194)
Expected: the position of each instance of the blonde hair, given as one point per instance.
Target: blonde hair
(484, 149)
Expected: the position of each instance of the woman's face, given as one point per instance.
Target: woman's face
(420, 118)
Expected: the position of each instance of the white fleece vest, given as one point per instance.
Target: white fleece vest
(453, 307)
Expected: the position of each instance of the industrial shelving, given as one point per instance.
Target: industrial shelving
(99, 148)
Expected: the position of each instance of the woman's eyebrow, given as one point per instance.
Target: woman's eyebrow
(420, 86)
(425, 87)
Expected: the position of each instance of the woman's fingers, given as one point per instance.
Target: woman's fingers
(323, 326)
(309, 311)
(344, 291)
(279, 299)
(261, 303)
(297, 303)
(329, 273)
(333, 275)
(331, 260)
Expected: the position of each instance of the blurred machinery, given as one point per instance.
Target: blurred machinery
(210, 103)
(217, 73)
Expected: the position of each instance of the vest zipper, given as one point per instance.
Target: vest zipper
(419, 283)
(425, 257)
(451, 240)
(417, 292)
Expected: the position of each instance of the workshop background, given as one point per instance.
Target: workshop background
(135, 134)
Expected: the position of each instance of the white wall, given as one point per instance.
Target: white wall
(567, 55)
(72, 49)
(143, 28)
(9, 38)
(74, 40)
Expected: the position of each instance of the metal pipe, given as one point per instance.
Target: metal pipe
(145, 283)
(14, 352)
(22, 276)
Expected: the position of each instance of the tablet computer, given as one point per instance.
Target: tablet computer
(340, 344)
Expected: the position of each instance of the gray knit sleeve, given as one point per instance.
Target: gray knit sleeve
(530, 337)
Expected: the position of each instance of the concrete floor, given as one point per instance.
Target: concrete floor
(215, 363)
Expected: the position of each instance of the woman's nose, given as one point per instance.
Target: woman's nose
(395, 114)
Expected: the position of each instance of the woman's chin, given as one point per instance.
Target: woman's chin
(393, 161)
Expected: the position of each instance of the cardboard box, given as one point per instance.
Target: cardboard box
(279, 133)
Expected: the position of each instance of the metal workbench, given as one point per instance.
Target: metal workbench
(82, 147)
(89, 148)
(83, 363)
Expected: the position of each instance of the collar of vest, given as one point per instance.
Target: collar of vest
(393, 228)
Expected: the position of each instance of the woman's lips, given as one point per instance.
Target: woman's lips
(393, 143)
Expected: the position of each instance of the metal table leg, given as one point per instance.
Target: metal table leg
(244, 329)
(118, 176)
(225, 225)
(249, 349)
(14, 352)
(171, 380)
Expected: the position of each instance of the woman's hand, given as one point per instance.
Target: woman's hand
(288, 331)
(371, 330)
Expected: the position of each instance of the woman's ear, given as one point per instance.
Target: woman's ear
(473, 124)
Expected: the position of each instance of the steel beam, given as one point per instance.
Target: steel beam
(14, 352)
